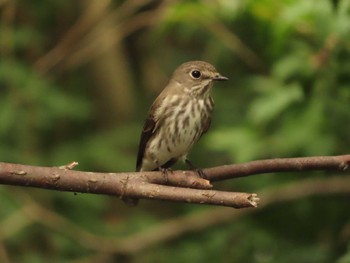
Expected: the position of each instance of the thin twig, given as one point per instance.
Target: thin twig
(334, 163)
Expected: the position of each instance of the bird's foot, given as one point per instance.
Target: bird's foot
(165, 172)
(201, 173)
(197, 170)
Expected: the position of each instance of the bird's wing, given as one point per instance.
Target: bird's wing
(149, 129)
(207, 122)
(147, 132)
(206, 126)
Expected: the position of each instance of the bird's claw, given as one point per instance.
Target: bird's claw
(201, 173)
(165, 172)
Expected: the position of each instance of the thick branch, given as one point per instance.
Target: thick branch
(150, 185)
(180, 186)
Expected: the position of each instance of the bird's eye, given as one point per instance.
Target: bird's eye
(196, 74)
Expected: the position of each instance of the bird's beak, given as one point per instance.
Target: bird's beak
(219, 77)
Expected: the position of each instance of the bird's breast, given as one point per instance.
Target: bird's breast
(180, 124)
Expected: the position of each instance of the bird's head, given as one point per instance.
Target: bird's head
(197, 77)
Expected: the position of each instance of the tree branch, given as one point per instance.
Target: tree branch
(180, 186)
(316, 163)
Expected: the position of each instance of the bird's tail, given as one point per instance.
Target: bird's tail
(130, 201)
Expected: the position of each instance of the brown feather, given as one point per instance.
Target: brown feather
(147, 132)
(205, 127)
(149, 129)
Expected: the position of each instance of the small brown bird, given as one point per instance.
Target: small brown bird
(179, 116)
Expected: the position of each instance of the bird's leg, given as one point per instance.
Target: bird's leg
(198, 170)
(164, 172)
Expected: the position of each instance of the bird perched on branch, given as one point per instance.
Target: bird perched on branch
(178, 117)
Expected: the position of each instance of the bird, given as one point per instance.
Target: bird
(178, 118)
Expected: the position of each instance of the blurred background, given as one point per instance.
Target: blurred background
(77, 79)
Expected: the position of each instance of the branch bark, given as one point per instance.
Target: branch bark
(315, 163)
(180, 186)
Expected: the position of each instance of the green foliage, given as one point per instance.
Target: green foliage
(289, 95)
